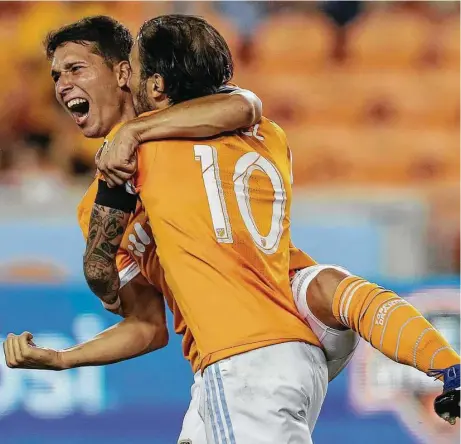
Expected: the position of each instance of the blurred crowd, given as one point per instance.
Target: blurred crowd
(367, 92)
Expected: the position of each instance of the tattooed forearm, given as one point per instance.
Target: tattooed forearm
(107, 226)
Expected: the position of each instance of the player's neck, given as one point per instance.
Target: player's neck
(127, 109)
(126, 113)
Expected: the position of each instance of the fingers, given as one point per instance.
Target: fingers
(109, 180)
(119, 177)
(24, 343)
(114, 166)
(17, 349)
(124, 166)
(98, 155)
(116, 177)
(117, 161)
(9, 354)
(8, 348)
(122, 173)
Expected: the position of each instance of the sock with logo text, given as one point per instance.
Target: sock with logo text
(391, 325)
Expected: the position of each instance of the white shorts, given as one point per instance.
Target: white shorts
(271, 395)
(193, 427)
(338, 345)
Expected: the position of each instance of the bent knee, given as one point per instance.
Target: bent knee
(327, 281)
(320, 295)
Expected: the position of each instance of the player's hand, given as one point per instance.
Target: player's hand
(21, 352)
(117, 160)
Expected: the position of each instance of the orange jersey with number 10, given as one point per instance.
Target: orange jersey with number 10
(219, 212)
(138, 254)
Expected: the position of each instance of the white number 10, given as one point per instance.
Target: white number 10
(244, 168)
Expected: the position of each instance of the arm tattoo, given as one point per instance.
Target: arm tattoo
(105, 234)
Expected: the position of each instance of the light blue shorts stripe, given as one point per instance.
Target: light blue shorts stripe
(209, 400)
(224, 403)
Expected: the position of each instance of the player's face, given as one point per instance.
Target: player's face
(86, 87)
(138, 87)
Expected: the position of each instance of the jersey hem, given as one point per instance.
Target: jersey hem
(219, 355)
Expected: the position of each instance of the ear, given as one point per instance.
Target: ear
(156, 86)
(123, 71)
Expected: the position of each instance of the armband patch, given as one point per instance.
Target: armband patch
(118, 197)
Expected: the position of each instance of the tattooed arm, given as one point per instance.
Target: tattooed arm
(109, 219)
(107, 226)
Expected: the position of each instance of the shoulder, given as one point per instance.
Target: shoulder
(149, 156)
(273, 125)
(148, 150)
(273, 129)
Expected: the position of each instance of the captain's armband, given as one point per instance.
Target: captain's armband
(120, 197)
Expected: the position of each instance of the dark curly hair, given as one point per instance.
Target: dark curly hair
(191, 56)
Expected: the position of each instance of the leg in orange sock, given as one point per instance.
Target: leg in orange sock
(333, 302)
(391, 325)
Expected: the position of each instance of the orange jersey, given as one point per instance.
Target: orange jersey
(138, 254)
(299, 260)
(219, 212)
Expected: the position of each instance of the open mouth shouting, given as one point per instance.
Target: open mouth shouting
(80, 110)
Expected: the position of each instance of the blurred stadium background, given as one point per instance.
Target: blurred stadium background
(368, 93)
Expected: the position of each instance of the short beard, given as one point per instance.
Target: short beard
(142, 100)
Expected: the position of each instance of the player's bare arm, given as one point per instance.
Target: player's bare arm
(203, 117)
(142, 331)
(109, 219)
(107, 226)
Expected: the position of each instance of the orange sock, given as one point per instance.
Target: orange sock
(391, 325)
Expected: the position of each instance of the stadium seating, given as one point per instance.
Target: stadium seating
(377, 156)
(389, 113)
(388, 40)
(293, 43)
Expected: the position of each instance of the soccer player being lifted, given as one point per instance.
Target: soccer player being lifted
(331, 295)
